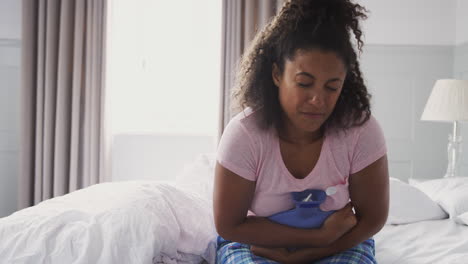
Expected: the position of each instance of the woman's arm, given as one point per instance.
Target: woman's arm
(369, 192)
(232, 198)
(370, 195)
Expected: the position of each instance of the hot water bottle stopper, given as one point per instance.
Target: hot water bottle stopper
(307, 212)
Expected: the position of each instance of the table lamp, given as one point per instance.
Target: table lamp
(448, 102)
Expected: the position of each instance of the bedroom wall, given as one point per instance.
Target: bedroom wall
(409, 45)
(461, 67)
(461, 22)
(411, 22)
(10, 44)
(400, 78)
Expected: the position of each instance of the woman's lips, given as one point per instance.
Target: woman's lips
(313, 115)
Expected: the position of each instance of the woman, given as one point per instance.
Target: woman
(306, 124)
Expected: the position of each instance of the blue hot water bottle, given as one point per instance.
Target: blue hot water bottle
(307, 212)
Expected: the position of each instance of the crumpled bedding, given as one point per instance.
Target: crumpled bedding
(119, 222)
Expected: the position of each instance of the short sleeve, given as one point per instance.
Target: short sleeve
(237, 151)
(369, 145)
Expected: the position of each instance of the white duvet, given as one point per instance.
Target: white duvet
(122, 222)
(427, 242)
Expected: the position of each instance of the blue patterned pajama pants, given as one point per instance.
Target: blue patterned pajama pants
(236, 253)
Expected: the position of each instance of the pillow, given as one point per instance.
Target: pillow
(450, 193)
(409, 205)
(462, 219)
(198, 176)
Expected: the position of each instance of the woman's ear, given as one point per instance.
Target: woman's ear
(276, 75)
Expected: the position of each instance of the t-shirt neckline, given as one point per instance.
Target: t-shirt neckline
(312, 172)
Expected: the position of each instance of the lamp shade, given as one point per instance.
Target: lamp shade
(448, 101)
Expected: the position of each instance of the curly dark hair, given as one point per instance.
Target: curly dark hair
(305, 25)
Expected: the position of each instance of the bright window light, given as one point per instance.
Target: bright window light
(163, 66)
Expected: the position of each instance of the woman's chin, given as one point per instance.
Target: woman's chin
(312, 128)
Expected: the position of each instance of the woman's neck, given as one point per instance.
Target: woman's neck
(290, 134)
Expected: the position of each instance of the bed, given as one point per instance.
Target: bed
(435, 241)
(171, 222)
(427, 223)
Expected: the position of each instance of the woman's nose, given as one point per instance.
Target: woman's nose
(316, 99)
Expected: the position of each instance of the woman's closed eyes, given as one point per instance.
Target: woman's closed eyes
(307, 85)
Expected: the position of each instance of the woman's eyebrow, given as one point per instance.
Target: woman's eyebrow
(313, 77)
(306, 74)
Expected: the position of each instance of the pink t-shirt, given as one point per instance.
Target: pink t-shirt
(254, 154)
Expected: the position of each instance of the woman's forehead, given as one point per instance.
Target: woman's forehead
(316, 61)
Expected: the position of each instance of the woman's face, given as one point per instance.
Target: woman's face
(309, 88)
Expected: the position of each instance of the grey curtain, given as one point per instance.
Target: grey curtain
(62, 143)
(242, 19)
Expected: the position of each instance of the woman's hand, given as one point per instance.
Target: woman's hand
(280, 255)
(334, 227)
(339, 223)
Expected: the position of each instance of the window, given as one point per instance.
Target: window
(163, 76)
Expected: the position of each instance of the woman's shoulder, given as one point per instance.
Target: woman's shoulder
(242, 140)
(358, 144)
(248, 119)
(370, 126)
(350, 135)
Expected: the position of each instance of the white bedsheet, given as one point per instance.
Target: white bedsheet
(431, 242)
(124, 222)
